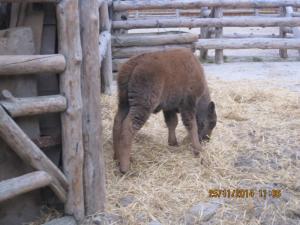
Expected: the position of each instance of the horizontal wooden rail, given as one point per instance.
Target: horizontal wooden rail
(23, 184)
(21, 144)
(245, 21)
(191, 4)
(31, 64)
(104, 41)
(247, 43)
(30, 1)
(34, 105)
(127, 52)
(153, 39)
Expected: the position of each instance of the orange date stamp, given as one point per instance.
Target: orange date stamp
(244, 193)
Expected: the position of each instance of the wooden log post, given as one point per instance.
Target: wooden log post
(94, 170)
(70, 86)
(31, 64)
(106, 66)
(219, 32)
(23, 184)
(283, 34)
(295, 30)
(21, 144)
(104, 40)
(204, 32)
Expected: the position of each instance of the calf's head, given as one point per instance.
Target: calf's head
(206, 119)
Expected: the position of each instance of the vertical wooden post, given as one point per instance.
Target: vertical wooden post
(219, 33)
(204, 33)
(70, 86)
(106, 67)
(94, 174)
(282, 33)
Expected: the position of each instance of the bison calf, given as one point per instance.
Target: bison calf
(172, 81)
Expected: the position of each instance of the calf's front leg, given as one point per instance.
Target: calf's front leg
(190, 122)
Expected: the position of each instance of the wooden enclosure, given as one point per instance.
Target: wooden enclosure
(212, 16)
(57, 56)
(75, 59)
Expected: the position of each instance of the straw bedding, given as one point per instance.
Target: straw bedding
(256, 145)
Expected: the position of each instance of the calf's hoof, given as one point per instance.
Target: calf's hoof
(196, 153)
(124, 167)
(115, 157)
(173, 143)
(123, 170)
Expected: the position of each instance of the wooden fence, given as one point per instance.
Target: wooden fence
(88, 40)
(81, 184)
(212, 21)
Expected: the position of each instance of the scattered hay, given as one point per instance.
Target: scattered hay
(47, 214)
(255, 145)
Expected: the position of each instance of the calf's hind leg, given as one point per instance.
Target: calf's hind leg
(133, 122)
(117, 127)
(171, 121)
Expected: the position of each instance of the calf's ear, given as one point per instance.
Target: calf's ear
(211, 107)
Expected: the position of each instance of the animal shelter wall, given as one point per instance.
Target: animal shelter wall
(50, 68)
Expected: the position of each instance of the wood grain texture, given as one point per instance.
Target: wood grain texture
(243, 21)
(31, 64)
(35, 105)
(21, 144)
(70, 86)
(191, 4)
(23, 184)
(245, 43)
(153, 39)
(94, 171)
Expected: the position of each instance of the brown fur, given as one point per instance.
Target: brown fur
(172, 81)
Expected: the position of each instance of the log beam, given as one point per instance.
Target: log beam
(23, 184)
(104, 40)
(69, 45)
(218, 13)
(34, 105)
(106, 66)
(192, 4)
(283, 34)
(128, 52)
(30, 1)
(243, 21)
(248, 43)
(153, 39)
(31, 64)
(94, 174)
(21, 144)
